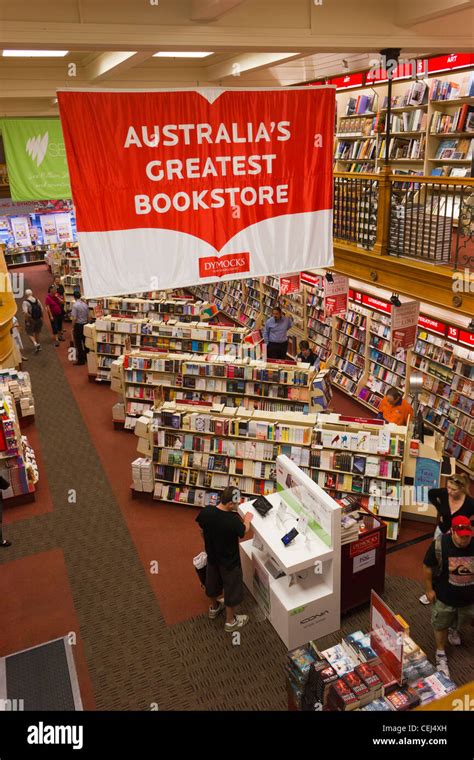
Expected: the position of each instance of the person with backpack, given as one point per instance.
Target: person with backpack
(33, 312)
(448, 570)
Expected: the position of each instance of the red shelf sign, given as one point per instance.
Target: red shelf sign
(349, 80)
(432, 324)
(449, 62)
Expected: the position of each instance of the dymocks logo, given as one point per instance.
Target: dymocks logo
(36, 148)
(230, 263)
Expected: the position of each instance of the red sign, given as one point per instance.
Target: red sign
(449, 62)
(404, 324)
(363, 420)
(290, 284)
(432, 324)
(386, 636)
(164, 179)
(315, 280)
(349, 80)
(467, 338)
(217, 266)
(364, 544)
(335, 295)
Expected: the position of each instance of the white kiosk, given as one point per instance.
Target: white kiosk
(297, 586)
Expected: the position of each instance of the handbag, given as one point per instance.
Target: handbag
(200, 565)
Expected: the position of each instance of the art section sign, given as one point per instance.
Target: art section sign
(336, 295)
(404, 324)
(36, 159)
(174, 188)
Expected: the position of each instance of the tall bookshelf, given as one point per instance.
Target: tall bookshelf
(350, 349)
(319, 327)
(385, 370)
(460, 431)
(253, 384)
(198, 451)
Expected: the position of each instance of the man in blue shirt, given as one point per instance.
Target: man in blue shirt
(275, 334)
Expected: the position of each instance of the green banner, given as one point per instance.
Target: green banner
(36, 159)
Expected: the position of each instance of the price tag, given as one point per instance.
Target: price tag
(303, 525)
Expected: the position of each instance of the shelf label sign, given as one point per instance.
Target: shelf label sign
(449, 62)
(172, 186)
(336, 295)
(432, 324)
(315, 280)
(467, 338)
(290, 283)
(349, 80)
(404, 325)
(386, 636)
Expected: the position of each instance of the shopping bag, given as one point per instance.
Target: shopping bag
(200, 565)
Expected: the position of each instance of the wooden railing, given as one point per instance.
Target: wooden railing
(428, 219)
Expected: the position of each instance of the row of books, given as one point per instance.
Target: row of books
(361, 149)
(450, 90)
(409, 121)
(455, 149)
(403, 148)
(372, 466)
(462, 120)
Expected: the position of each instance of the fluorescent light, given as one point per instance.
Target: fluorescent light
(181, 55)
(35, 53)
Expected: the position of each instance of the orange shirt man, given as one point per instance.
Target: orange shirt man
(394, 408)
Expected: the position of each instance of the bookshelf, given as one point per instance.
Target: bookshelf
(17, 460)
(318, 326)
(460, 431)
(424, 113)
(253, 384)
(385, 370)
(197, 451)
(107, 338)
(24, 256)
(363, 460)
(350, 347)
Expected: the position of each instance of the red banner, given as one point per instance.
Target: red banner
(165, 181)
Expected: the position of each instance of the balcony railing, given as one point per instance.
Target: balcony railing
(420, 218)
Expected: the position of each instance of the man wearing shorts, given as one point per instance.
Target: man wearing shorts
(449, 585)
(222, 528)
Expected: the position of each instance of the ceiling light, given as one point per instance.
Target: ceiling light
(34, 53)
(395, 299)
(329, 277)
(470, 326)
(181, 54)
(345, 66)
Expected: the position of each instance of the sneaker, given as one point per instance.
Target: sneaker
(454, 637)
(4, 543)
(442, 665)
(214, 612)
(239, 622)
(56, 342)
(37, 348)
(424, 599)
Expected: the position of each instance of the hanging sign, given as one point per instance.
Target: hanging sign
(449, 62)
(21, 231)
(48, 225)
(191, 186)
(36, 159)
(315, 280)
(64, 228)
(432, 324)
(290, 283)
(404, 325)
(335, 295)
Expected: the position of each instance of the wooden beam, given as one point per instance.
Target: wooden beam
(410, 13)
(411, 278)
(108, 65)
(210, 10)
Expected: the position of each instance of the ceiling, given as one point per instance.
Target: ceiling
(253, 42)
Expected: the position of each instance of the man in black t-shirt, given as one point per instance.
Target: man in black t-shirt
(222, 528)
(449, 585)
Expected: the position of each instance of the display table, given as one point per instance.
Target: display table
(297, 586)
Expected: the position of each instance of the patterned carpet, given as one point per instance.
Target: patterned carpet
(135, 660)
